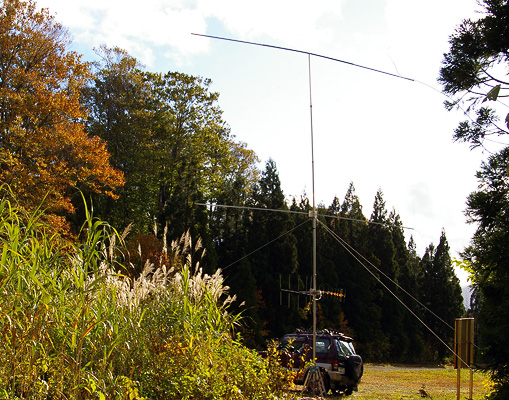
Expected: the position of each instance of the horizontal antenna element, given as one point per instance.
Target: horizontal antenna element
(306, 52)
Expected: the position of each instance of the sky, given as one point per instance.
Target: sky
(372, 129)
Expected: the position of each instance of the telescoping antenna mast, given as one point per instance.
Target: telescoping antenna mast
(312, 214)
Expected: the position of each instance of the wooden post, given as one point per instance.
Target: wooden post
(458, 382)
(464, 351)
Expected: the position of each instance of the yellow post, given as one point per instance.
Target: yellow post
(464, 350)
(471, 383)
(458, 382)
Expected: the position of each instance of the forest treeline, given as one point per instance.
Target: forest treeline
(152, 154)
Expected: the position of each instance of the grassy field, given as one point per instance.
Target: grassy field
(387, 382)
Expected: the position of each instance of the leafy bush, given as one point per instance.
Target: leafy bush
(74, 326)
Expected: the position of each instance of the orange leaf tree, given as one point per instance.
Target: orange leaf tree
(45, 153)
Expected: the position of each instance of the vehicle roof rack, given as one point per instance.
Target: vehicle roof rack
(328, 332)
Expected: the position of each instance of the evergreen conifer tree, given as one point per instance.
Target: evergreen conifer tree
(440, 292)
(411, 345)
(362, 311)
(384, 254)
(275, 251)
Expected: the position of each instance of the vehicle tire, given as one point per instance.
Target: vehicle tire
(348, 391)
(354, 368)
(340, 389)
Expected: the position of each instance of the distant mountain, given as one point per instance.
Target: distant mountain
(466, 292)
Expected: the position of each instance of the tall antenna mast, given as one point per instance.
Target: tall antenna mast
(313, 213)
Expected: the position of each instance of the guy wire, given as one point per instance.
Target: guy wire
(351, 249)
(340, 241)
(265, 245)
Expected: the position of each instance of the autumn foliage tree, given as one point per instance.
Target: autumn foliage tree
(45, 153)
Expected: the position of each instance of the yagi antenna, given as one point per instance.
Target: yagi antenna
(312, 214)
(305, 292)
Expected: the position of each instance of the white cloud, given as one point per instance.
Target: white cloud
(420, 31)
(287, 21)
(419, 200)
(136, 26)
(409, 30)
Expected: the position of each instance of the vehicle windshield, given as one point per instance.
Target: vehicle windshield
(345, 349)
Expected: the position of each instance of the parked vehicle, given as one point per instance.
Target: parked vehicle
(340, 366)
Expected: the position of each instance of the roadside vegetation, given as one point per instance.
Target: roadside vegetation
(74, 325)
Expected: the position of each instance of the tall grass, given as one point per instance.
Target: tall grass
(74, 326)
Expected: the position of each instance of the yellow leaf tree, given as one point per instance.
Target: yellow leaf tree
(45, 153)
